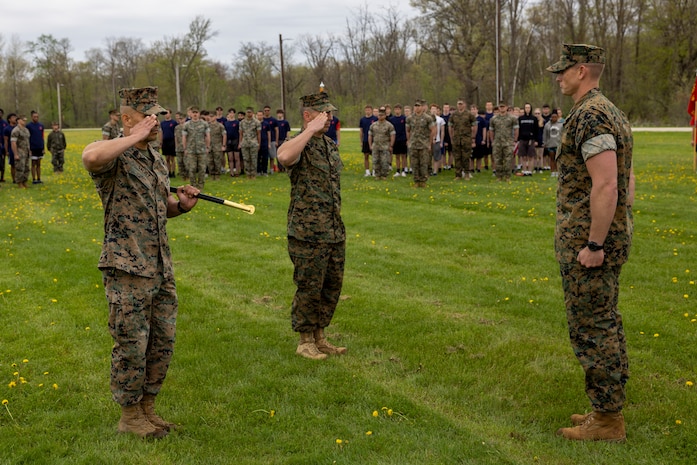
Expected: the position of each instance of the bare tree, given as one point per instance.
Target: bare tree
(52, 66)
(319, 52)
(457, 31)
(356, 50)
(392, 37)
(15, 71)
(253, 66)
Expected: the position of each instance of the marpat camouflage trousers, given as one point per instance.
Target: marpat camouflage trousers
(142, 320)
(318, 275)
(462, 151)
(420, 159)
(502, 157)
(382, 162)
(196, 164)
(596, 332)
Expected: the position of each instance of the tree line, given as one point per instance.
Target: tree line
(452, 49)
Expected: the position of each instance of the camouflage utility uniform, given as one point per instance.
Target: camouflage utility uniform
(179, 150)
(21, 136)
(316, 234)
(419, 130)
(593, 126)
(503, 127)
(382, 133)
(216, 160)
(196, 154)
(249, 130)
(137, 269)
(461, 140)
(56, 145)
(111, 131)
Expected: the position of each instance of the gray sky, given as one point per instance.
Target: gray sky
(88, 23)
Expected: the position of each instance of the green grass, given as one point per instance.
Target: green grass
(452, 311)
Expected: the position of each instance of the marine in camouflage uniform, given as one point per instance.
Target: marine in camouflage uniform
(19, 138)
(460, 125)
(250, 135)
(110, 130)
(218, 142)
(196, 140)
(56, 145)
(179, 146)
(504, 130)
(316, 233)
(381, 137)
(421, 130)
(133, 184)
(595, 149)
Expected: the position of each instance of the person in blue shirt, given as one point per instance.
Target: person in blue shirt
(334, 131)
(273, 132)
(283, 127)
(36, 146)
(364, 127)
(3, 125)
(263, 155)
(399, 121)
(6, 135)
(232, 129)
(167, 142)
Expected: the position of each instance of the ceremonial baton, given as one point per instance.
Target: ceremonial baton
(246, 208)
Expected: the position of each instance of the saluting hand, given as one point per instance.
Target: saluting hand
(318, 124)
(144, 128)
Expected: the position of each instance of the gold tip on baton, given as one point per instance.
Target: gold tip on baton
(240, 206)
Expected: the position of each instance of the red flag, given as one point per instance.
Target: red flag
(693, 101)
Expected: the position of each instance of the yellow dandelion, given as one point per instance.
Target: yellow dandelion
(12, 384)
(54, 301)
(389, 412)
(687, 296)
(41, 384)
(67, 250)
(55, 386)
(678, 422)
(367, 433)
(25, 361)
(689, 384)
(655, 335)
(272, 413)
(339, 441)
(375, 413)
(87, 328)
(5, 402)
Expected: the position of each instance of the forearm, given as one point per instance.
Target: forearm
(100, 153)
(603, 203)
(290, 151)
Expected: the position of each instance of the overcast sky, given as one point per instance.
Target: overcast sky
(88, 23)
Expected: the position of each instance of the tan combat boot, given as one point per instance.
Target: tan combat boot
(579, 419)
(597, 426)
(133, 421)
(325, 346)
(148, 406)
(308, 349)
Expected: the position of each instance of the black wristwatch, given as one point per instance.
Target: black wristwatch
(594, 246)
(181, 209)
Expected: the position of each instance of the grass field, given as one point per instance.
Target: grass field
(452, 311)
